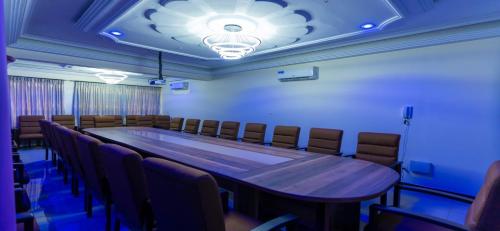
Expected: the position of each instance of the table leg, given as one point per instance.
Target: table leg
(339, 216)
(246, 200)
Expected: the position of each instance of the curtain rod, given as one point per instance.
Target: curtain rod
(113, 84)
(17, 76)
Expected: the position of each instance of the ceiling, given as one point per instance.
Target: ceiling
(53, 30)
(180, 26)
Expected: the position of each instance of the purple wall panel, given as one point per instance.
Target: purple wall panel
(7, 210)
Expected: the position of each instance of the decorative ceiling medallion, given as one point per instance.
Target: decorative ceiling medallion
(234, 29)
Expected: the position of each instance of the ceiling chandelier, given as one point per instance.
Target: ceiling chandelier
(232, 42)
(111, 77)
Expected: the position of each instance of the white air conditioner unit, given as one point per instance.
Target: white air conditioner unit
(311, 73)
(179, 85)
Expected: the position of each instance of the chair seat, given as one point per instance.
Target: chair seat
(31, 136)
(239, 222)
(389, 221)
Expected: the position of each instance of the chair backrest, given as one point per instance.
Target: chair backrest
(29, 124)
(89, 157)
(176, 124)
(380, 148)
(324, 140)
(87, 121)
(254, 133)
(183, 198)
(210, 128)
(104, 121)
(45, 131)
(68, 138)
(65, 120)
(229, 130)
(145, 121)
(56, 140)
(192, 126)
(286, 136)
(118, 120)
(484, 212)
(123, 168)
(131, 120)
(161, 121)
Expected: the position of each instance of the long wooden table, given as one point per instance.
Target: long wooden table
(268, 180)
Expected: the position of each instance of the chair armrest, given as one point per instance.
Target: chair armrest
(275, 223)
(18, 166)
(396, 166)
(375, 208)
(224, 197)
(351, 156)
(15, 135)
(16, 158)
(24, 217)
(449, 195)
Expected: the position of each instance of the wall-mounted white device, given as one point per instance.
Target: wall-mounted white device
(311, 73)
(407, 114)
(179, 85)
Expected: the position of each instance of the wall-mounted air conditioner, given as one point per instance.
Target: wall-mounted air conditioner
(179, 85)
(311, 73)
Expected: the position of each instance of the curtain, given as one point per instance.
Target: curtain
(108, 99)
(142, 100)
(35, 96)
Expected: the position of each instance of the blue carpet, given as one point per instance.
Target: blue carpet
(54, 206)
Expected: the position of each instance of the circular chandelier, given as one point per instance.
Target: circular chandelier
(232, 42)
(111, 77)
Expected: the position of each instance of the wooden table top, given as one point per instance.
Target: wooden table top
(291, 173)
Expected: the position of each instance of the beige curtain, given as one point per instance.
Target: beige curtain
(108, 99)
(35, 96)
(142, 100)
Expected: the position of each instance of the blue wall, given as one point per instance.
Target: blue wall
(455, 89)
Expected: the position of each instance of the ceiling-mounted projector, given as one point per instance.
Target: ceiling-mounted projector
(157, 82)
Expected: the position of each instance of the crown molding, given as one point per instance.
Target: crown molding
(92, 13)
(380, 45)
(414, 6)
(16, 14)
(101, 12)
(36, 50)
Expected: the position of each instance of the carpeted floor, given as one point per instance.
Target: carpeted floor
(56, 209)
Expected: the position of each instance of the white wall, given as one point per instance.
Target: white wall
(454, 89)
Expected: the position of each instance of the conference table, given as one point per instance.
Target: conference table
(324, 191)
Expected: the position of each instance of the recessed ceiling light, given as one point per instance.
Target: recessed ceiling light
(367, 26)
(116, 33)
